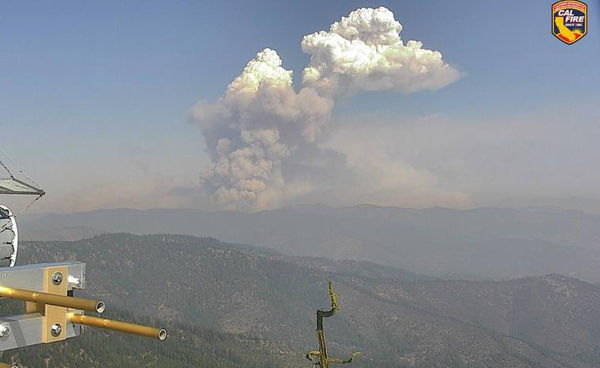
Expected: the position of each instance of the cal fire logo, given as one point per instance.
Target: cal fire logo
(569, 20)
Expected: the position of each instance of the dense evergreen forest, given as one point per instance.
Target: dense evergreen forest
(187, 346)
(228, 305)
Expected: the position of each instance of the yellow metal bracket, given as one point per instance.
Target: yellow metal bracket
(55, 315)
(52, 313)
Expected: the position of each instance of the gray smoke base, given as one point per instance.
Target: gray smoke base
(258, 129)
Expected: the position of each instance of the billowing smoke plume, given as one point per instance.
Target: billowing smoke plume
(262, 122)
(255, 125)
(364, 51)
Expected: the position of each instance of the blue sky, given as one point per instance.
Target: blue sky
(99, 92)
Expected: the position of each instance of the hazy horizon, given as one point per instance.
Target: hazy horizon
(584, 205)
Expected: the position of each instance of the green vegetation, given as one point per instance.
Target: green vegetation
(246, 307)
(187, 346)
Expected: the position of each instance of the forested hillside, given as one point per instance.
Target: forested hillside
(186, 347)
(396, 318)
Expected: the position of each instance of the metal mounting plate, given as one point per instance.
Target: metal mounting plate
(31, 277)
(34, 327)
(27, 330)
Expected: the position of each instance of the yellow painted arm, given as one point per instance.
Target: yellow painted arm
(312, 354)
(349, 360)
(334, 305)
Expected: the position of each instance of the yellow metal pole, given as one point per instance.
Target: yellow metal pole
(52, 299)
(4, 365)
(131, 328)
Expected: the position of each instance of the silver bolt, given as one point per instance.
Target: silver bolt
(55, 330)
(4, 330)
(57, 278)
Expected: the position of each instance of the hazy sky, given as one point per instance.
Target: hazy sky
(99, 102)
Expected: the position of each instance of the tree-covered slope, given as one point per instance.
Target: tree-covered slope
(396, 318)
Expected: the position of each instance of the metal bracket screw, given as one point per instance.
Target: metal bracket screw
(57, 278)
(4, 330)
(55, 330)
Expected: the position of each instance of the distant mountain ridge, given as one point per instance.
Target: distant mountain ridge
(479, 243)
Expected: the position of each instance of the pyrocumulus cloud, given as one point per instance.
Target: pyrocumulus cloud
(364, 51)
(258, 129)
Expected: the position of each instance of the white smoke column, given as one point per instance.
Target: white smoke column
(364, 51)
(261, 121)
